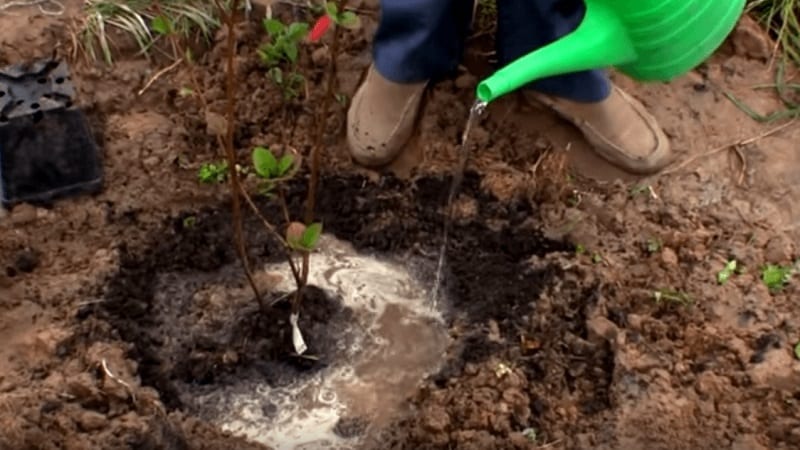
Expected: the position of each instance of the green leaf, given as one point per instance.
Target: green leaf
(291, 52)
(185, 92)
(797, 350)
(725, 274)
(264, 162)
(161, 25)
(297, 31)
(332, 10)
(285, 164)
(311, 236)
(273, 26)
(350, 20)
(276, 74)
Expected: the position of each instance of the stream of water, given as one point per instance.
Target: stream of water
(458, 176)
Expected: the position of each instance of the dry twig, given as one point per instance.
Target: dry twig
(726, 147)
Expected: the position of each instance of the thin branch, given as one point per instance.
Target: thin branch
(316, 150)
(230, 21)
(295, 272)
(158, 75)
(725, 147)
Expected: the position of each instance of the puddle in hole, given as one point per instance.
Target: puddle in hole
(398, 339)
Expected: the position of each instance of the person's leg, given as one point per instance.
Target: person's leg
(416, 41)
(420, 40)
(525, 25)
(618, 126)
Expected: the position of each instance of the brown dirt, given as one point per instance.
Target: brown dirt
(568, 347)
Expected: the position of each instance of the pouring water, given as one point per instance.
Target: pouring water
(458, 175)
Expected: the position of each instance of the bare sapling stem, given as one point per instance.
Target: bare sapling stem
(229, 18)
(316, 151)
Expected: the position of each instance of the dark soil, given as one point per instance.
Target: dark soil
(181, 342)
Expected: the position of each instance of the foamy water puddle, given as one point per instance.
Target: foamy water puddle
(398, 340)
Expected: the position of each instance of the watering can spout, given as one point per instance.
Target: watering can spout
(645, 39)
(599, 41)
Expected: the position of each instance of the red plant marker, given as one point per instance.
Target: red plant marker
(320, 28)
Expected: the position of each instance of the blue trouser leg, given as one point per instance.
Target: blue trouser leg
(525, 25)
(419, 40)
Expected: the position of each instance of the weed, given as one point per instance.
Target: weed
(145, 20)
(189, 222)
(653, 245)
(580, 249)
(797, 350)
(672, 297)
(727, 272)
(776, 277)
(290, 83)
(597, 258)
(781, 18)
(213, 173)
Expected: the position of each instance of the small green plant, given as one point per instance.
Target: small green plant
(213, 173)
(189, 222)
(284, 44)
(597, 258)
(776, 277)
(290, 83)
(727, 272)
(653, 245)
(670, 296)
(797, 350)
(280, 55)
(345, 19)
(580, 249)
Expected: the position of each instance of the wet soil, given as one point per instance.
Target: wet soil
(560, 340)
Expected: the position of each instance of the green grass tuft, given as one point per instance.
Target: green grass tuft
(135, 17)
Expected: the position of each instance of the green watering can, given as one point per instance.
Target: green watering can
(648, 40)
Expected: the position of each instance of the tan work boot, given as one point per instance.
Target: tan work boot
(619, 128)
(381, 118)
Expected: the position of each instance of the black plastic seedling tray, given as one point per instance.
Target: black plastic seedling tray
(47, 150)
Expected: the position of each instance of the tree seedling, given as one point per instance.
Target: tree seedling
(271, 171)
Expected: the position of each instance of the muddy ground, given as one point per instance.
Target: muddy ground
(559, 340)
